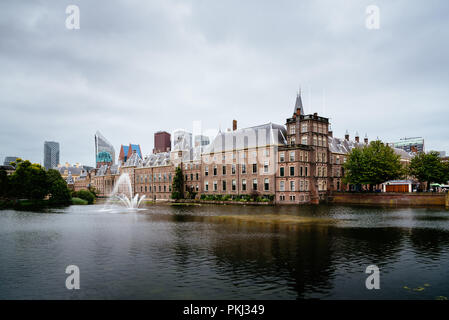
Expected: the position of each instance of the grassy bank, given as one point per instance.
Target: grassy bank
(30, 204)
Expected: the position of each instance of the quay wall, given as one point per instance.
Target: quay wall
(390, 199)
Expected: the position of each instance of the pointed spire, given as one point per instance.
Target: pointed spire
(298, 103)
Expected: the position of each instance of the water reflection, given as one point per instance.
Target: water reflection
(210, 252)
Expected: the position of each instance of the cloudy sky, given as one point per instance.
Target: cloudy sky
(136, 67)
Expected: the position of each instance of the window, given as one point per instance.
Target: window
(292, 171)
(191, 176)
(255, 184)
(300, 171)
(282, 186)
(266, 184)
(196, 176)
(206, 186)
(292, 185)
(281, 171)
(267, 152)
(165, 188)
(224, 185)
(282, 157)
(265, 167)
(315, 141)
(233, 169)
(244, 185)
(292, 129)
(292, 155)
(304, 127)
(206, 170)
(187, 177)
(224, 169)
(215, 186)
(315, 127)
(233, 185)
(293, 141)
(292, 198)
(305, 172)
(304, 140)
(243, 168)
(301, 185)
(254, 167)
(215, 170)
(306, 156)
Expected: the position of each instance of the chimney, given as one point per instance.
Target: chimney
(298, 112)
(366, 139)
(234, 125)
(315, 114)
(347, 135)
(357, 138)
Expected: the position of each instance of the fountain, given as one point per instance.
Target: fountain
(123, 194)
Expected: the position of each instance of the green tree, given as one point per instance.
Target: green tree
(428, 167)
(4, 184)
(85, 195)
(372, 165)
(57, 188)
(177, 186)
(29, 181)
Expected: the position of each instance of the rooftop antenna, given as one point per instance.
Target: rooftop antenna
(324, 101)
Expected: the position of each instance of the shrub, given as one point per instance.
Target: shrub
(227, 197)
(203, 197)
(79, 201)
(85, 195)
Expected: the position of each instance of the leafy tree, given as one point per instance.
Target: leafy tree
(428, 167)
(4, 183)
(57, 188)
(372, 165)
(85, 195)
(29, 181)
(177, 186)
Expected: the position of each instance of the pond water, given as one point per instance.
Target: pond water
(210, 252)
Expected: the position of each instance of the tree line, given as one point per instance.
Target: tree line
(32, 182)
(378, 163)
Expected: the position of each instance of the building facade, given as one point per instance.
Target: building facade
(298, 163)
(51, 154)
(104, 151)
(162, 142)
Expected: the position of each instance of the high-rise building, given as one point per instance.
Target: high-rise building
(182, 140)
(8, 160)
(51, 154)
(201, 141)
(162, 142)
(410, 144)
(127, 151)
(104, 151)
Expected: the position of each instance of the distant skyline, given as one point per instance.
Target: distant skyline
(135, 68)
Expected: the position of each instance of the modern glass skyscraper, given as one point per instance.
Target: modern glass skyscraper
(104, 151)
(51, 154)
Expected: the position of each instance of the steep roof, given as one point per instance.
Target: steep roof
(298, 104)
(136, 148)
(252, 137)
(343, 146)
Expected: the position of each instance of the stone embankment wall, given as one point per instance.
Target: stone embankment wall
(394, 199)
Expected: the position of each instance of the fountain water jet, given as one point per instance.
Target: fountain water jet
(124, 194)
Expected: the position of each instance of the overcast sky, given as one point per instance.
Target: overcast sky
(136, 67)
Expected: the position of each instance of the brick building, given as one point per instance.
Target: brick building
(162, 142)
(298, 163)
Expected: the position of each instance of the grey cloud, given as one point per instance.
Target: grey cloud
(136, 67)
